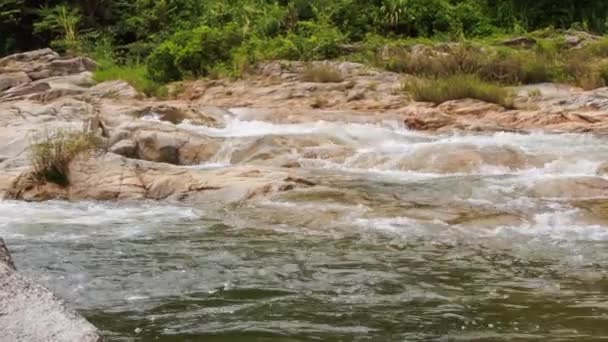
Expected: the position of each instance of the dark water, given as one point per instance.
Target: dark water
(153, 273)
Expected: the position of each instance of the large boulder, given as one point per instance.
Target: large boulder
(163, 143)
(45, 63)
(111, 177)
(30, 312)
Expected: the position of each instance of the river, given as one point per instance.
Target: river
(401, 240)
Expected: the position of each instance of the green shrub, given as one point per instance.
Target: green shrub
(193, 53)
(51, 157)
(322, 74)
(317, 40)
(455, 88)
(161, 63)
(205, 47)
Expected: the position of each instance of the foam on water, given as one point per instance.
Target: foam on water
(565, 154)
(63, 220)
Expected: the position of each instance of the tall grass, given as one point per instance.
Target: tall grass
(322, 74)
(52, 156)
(548, 61)
(134, 74)
(439, 90)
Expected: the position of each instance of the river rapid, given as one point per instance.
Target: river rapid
(405, 236)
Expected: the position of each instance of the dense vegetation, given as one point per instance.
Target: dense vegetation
(153, 41)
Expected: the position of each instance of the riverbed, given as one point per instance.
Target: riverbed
(401, 239)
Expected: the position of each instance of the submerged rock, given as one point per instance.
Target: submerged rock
(30, 312)
(465, 158)
(570, 187)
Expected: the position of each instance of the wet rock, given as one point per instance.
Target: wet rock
(462, 158)
(602, 170)
(6, 261)
(164, 143)
(111, 177)
(570, 187)
(429, 119)
(30, 312)
(594, 211)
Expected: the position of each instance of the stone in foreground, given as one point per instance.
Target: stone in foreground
(30, 312)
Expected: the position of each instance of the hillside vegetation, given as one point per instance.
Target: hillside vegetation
(151, 42)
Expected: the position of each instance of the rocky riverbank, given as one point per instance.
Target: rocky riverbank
(150, 144)
(30, 312)
(354, 151)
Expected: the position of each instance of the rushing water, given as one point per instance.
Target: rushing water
(352, 262)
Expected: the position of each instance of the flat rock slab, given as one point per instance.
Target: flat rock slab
(30, 312)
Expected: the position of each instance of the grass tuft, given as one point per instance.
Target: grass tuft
(135, 75)
(322, 74)
(51, 157)
(439, 90)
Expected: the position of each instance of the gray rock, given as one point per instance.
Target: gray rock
(25, 89)
(519, 41)
(63, 67)
(572, 40)
(30, 312)
(126, 148)
(115, 89)
(13, 79)
(42, 55)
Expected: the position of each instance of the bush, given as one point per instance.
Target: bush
(456, 88)
(321, 74)
(317, 41)
(193, 53)
(161, 63)
(51, 158)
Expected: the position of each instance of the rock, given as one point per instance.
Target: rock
(165, 143)
(519, 41)
(114, 89)
(355, 95)
(13, 79)
(126, 148)
(177, 114)
(463, 158)
(6, 261)
(30, 312)
(425, 120)
(63, 67)
(570, 187)
(602, 170)
(25, 89)
(572, 40)
(38, 56)
(111, 177)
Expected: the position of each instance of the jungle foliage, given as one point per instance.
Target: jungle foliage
(177, 39)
